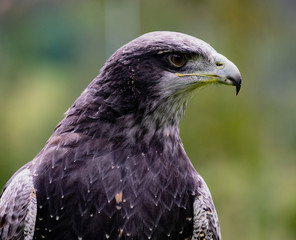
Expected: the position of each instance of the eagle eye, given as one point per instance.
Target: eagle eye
(177, 60)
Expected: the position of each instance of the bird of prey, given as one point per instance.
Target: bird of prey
(115, 166)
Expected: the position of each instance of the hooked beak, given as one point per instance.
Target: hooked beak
(226, 73)
(236, 82)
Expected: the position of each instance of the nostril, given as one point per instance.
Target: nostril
(219, 65)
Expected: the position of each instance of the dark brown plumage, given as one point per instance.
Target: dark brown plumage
(115, 167)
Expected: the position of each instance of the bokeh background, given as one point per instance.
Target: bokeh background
(244, 146)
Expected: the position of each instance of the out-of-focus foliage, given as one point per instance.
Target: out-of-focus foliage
(244, 146)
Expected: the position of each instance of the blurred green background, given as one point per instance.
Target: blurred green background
(244, 146)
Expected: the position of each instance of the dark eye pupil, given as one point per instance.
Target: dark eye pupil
(177, 60)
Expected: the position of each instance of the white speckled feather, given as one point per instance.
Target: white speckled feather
(18, 208)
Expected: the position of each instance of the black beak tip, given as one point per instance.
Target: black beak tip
(237, 88)
(237, 83)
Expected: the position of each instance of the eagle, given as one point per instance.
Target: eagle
(115, 166)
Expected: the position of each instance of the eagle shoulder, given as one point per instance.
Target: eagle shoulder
(205, 219)
(18, 207)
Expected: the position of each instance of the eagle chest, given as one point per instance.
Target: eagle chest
(106, 199)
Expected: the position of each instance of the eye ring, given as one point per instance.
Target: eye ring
(177, 60)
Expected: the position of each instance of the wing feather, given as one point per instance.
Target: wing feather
(18, 208)
(205, 220)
